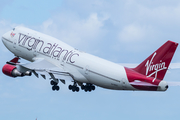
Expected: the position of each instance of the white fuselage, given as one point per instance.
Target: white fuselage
(85, 68)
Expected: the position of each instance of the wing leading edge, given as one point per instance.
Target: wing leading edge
(45, 68)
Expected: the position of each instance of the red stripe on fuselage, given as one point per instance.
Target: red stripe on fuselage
(133, 75)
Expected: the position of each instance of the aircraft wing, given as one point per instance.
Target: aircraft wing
(174, 66)
(47, 69)
(129, 65)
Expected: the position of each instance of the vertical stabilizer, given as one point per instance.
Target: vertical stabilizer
(158, 62)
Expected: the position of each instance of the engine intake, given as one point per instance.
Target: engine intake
(11, 71)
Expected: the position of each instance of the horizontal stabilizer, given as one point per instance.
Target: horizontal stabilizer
(140, 83)
(173, 83)
(133, 65)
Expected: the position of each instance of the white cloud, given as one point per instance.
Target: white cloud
(47, 24)
(162, 15)
(94, 26)
(132, 33)
(75, 30)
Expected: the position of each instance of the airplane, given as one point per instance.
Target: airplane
(54, 59)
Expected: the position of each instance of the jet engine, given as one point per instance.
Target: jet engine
(12, 71)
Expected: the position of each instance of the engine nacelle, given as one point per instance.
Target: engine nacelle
(11, 71)
(28, 73)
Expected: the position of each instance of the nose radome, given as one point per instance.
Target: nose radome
(6, 35)
(3, 38)
(6, 38)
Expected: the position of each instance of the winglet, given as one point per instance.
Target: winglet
(15, 60)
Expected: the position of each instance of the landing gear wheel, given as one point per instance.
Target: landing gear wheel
(70, 87)
(53, 83)
(53, 88)
(82, 87)
(88, 87)
(57, 88)
(93, 87)
(74, 88)
(89, 90)
(77, 89)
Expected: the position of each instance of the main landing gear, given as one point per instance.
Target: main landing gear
(74, 87)
(54, 85)
(88, 87)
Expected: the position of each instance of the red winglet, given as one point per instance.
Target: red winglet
(15, 60)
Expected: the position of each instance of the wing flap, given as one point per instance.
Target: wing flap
(45, 68)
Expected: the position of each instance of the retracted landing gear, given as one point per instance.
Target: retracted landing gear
(54, 85)
(74, 87)
(88, 87)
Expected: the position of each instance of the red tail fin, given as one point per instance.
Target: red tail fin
(157, 63)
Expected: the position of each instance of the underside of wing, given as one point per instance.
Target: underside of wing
(47, 69)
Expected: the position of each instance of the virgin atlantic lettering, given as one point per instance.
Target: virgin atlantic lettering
(48, 49)
(150, 67)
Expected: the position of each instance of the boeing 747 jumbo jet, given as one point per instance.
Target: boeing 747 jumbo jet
(57, 61)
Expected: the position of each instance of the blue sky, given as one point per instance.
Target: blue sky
(125, 31)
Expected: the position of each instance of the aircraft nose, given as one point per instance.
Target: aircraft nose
(3, 38)
(6, 37)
